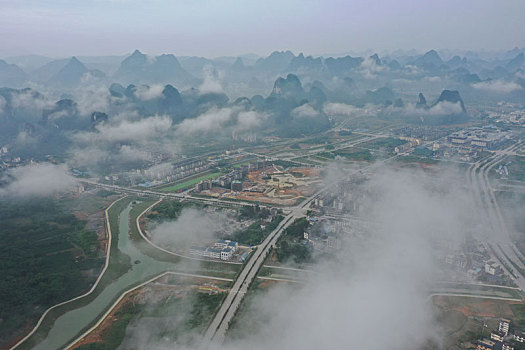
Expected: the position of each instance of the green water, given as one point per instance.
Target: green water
(70, 324)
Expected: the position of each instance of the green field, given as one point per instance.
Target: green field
(189, 183)
(48, 255)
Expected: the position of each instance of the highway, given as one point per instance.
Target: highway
(500, 240)
(218, 327)
(183, 196)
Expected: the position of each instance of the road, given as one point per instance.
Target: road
(182, 196)
(500, 241)
(218, 327)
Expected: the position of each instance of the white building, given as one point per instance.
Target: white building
(503, 326)
(226, 243)
(226, 254)
(519, 336)
(490, 268)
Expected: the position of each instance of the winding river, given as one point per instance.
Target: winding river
(70, 324)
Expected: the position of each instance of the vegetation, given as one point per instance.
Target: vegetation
(45, 258)
(197, 315)
(516, 168)
(387, 143)
(169, 209)
(189, 183)
(254, 234)
(290, 245)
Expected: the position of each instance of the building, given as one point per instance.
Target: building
(458, 139)
(213, 253)
(519, 336)
(236, 186)
(497, 336)
(203, 186)
(491, 268)
(485, 344)
(226, 243)
(503, 326)
(233, 246)
(226, 254)
(198, 251)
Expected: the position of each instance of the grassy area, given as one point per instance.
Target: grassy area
(119, 264)
(516, 168)
(517, 267)
(290, 246)
(47, 256)
(167, 208)
(194, 311)
(472, 289)
(189, 183)
(254, 234)
(385, 143)
(416, 159)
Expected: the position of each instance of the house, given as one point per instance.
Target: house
(198, 251)
(491, 268)
(233, 246)
(497, 336)
(519, 336)
(226, 243)
(213, 253)
(226, 254)
(503, 326)
(221, 243)
(485, 344)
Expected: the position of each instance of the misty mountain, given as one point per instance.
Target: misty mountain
(195, 65)
(429, 61)
(375, 58)
(302, 64)
(11, 74)
(394, 65)
(72, 74)
(140, 69)
(421, 101)
(29, 63)
(457, 62)
(379, 96)
(276, 62)
(516, 63)
(238, 65)
(451, 96)
(289, 87)
(48, 70)
(342, 65)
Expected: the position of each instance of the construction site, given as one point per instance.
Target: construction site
(270, 185)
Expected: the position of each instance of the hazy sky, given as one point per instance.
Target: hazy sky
(232, 27)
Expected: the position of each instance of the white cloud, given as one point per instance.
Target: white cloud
(304, 111)
(433, 79)
(2, 104)
(343, 109)
(369, 68)
(442, 108)
(249, 120)
(146, 93)
(498, 86)
(127, 131)
(37, 180)
(212, 81)
(91, 98)
(29, 99)
(205, 123)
